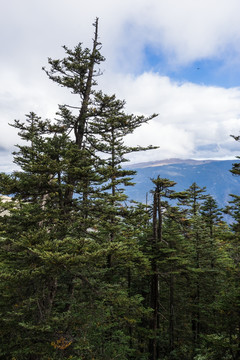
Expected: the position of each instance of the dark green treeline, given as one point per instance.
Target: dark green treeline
(87, 274)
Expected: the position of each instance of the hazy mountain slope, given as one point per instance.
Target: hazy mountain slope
(215, 175)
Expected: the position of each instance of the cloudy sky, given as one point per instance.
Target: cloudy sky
(177, 58)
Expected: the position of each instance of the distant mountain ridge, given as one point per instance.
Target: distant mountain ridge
(170, 162)
(215, 175)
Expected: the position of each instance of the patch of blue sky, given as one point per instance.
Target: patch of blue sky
(222, 71)
(209, 147)
(3, 149)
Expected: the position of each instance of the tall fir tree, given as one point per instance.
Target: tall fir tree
(65, 230)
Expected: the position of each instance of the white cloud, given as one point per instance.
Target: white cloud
(195, 29)
(185, 30)
(192, 118)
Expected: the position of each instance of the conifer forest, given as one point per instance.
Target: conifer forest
(89, 274)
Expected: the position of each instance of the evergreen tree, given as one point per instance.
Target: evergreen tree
(87, 274)
(229, 300)
(67, 254)
(162, 190)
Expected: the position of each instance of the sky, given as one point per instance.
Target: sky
(177, 58)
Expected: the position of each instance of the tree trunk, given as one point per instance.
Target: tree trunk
(171, 313)
(154, 294)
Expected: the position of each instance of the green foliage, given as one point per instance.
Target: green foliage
(87, 274)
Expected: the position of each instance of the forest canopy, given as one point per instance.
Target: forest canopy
(87, 273)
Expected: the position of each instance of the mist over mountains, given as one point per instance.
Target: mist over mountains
(215, 175)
